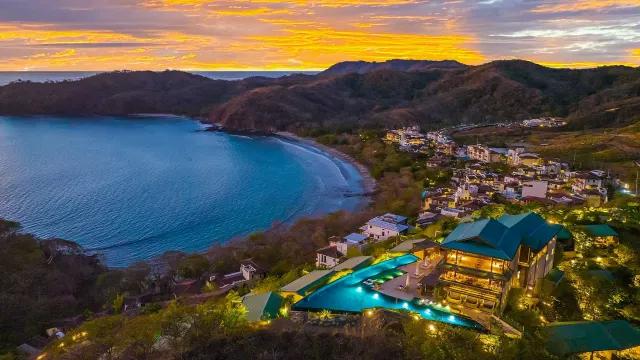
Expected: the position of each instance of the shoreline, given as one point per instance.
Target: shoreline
(368, 183)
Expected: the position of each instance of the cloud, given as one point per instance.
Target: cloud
(585, 5)
(305, 34)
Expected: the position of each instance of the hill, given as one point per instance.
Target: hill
(351, 94)
(362, 67)
(497, 91)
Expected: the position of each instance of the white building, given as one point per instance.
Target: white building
(328, 257)
(535, 188)
(385, 226)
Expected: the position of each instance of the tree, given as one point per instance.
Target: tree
(193, 266)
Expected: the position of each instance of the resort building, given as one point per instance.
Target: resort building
(385, 226)
(486, 258)
(603, 235)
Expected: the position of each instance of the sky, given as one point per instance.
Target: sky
(97, 35)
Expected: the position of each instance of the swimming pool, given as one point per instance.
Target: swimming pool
(348, 294)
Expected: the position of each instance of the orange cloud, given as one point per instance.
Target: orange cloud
(582, 5)
(321, 47)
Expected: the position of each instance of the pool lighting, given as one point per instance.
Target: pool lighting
(359, 289)
(405, 305)
(428, 312)
(376, 296)
(452, 318)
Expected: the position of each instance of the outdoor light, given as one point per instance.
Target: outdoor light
(432, 328)
(369, 312)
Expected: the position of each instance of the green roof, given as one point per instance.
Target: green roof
(555, 276)
(306, 281)
(262, 306)
(353, 263)
(599, 230)
(563, 233)
(534, 229)
(501, 238)
(406, 246)
(577, 337)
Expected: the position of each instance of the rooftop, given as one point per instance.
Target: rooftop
(377, 221)
(306, 280)
(355, 238)
(501, 238)
(599, 230)
(331, 251)
(576, 337)
(352, 263)
(260, 306)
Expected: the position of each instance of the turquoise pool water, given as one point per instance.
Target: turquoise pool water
(348, 294)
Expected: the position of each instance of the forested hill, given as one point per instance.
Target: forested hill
(352, 94)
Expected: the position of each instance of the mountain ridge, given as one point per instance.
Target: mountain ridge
(350, 94)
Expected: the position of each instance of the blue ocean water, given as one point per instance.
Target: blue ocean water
(133, 188)
(43, 76)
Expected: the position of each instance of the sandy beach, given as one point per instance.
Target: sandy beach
(368, 182)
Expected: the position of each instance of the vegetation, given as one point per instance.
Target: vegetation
(431, 94)
(42, 282)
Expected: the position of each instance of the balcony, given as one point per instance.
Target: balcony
(484, 284)
(481, 264)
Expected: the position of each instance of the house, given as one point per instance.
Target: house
(427, 218)
(529, 159)
(249, 270)
(535, 188)
(385, 226)
(261, 307)
(595, 339)
(483, 154)
(351, 241)
(328, 256)
(603, 235)
(486, 258)
(588, 180)
(594, 197)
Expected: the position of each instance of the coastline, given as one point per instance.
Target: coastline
(368, 182)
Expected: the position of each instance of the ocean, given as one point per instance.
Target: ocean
(7, 77)
(133, 188)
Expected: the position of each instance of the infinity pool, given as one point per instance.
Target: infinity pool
(348, 294)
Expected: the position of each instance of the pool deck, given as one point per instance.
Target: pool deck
(406, 287)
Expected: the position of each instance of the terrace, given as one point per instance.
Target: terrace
(349, 294)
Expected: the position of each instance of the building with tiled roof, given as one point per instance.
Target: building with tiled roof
(486, 258)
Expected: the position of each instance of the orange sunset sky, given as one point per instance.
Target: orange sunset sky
(311, 35)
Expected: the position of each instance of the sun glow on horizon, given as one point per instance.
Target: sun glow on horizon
(305, 35)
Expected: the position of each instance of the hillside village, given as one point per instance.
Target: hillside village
(461, 262)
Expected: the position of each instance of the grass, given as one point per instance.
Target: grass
(612, 149)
